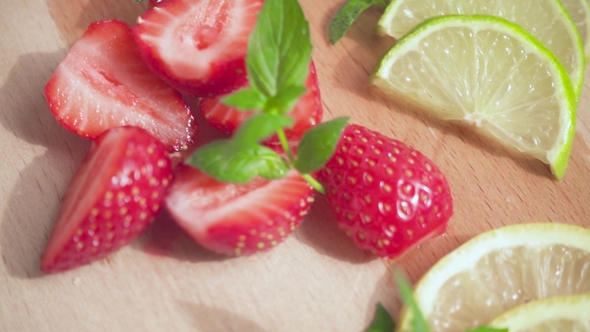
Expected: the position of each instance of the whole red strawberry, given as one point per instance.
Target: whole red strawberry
(114, 196)
(387, 196)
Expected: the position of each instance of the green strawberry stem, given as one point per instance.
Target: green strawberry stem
(291, 159)
(314, 183)
(285, 145)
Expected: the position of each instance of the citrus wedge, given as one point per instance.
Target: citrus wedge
(489, 72)
(499, 270)
(547, 20)
(555, 314)
(579, 11)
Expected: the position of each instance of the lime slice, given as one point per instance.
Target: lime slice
(579, 11)
(489, 72)
(547, 20)
(555, 314)
(499, 270)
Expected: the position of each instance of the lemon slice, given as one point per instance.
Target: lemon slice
(555, 314)
(501, 269)
(489, 72)
(579, 11)
(547, 20)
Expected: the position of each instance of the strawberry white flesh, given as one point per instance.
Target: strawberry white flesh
(238, 219)
(102, 83)
(198, 46)
(114, 196)
(306, 113)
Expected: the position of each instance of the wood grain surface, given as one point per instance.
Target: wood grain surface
(317, 280)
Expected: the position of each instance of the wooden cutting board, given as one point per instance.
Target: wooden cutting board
(317, 280)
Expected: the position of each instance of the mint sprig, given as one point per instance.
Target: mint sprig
(347, 14)
(242, 157)
(277, 63)
(279, 53)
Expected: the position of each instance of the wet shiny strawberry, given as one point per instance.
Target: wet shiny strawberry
(387, 196)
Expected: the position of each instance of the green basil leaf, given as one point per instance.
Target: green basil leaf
(346, 16)
(418, 322)
(260, 126)
(382, 321)
(238, 163)
(279, 48)
(285, 100)
(318, 145)
(246, 100)
(487, 329)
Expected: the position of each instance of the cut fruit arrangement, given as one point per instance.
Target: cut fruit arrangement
(124, 88)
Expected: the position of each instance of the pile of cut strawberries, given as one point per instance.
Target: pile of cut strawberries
(124, 87)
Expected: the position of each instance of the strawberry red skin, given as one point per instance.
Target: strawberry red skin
(198, 46)
(237, 219)
(102, 83)
(387, 196)
(114, 196)
(306, 113)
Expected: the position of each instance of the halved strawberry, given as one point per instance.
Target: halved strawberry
(307, 112)
(103, 83)
(236, 219)
(198, 46)
(386, 195)
(114, 196)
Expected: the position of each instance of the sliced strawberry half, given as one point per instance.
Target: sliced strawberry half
(102, 83)
(236, 219)
(114, 196)
(198, 46)
(306, 113)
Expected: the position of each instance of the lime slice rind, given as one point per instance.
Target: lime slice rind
(579, 11)
(559, 313)
(456, 82)
(547, 20)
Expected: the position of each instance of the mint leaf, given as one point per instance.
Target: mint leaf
(285, 100)
(246, 100)
(418, 322)
(242, 158)
(279, 49)
(229, 162)
(318, 144)
(487, 329)
(382, 321)
(260, 126)
(346, 16)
